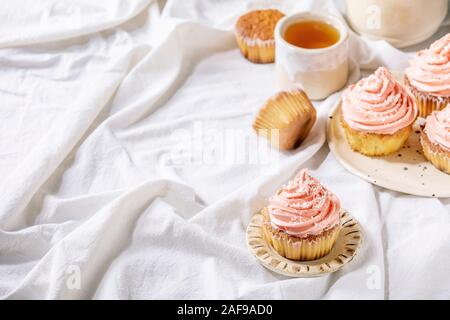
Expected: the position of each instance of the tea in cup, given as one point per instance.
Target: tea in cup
(311, 53)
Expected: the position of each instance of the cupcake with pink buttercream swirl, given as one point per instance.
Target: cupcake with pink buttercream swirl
(302, 219)
(428, 76)
(377, 114)
(435, 139)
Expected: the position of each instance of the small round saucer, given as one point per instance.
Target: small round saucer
(345, 248)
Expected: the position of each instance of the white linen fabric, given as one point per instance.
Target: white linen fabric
(113, 182)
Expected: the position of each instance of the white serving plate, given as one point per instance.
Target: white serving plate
(405, 171)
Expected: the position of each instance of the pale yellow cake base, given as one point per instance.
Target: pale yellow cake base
(372, 144)
(301, 249)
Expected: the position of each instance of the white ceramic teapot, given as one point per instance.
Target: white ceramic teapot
(400, 22)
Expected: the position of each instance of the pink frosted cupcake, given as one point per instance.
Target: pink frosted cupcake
(301, 221)
(428, 76)
(377, 114)
(435, 139)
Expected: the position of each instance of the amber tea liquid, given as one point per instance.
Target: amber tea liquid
(311, 34)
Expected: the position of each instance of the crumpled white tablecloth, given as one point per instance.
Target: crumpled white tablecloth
(98, 198)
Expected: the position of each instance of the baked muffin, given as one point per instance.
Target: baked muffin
(255, 35)
(435, 139)
(377, 114)
(302, 220)
(286, 119)
(428, 77)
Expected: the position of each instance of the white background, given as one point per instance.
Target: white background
(94, 96)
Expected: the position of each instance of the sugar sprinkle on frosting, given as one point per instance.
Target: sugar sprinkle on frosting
(378, 104)
(429, 70)
(304, 207)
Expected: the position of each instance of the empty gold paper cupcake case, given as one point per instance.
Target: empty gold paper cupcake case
(439, 157)
(286, 119)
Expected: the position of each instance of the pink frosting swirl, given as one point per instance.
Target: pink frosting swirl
(304, 207)
(437, 128)
(429, 71)
(378, 104)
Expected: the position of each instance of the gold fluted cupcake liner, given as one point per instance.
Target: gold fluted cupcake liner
(257, 51)
(294, 248)
(426, 103)
(286, 119)
(373, 144)
(436, 155)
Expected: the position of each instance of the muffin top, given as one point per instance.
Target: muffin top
(437, 128)
(258, 24)
(378, 104)
(304, 207)
(429, 70)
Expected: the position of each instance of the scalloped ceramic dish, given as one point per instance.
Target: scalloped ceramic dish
(343, 251)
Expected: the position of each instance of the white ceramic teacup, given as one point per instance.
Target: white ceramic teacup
(319, 72)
